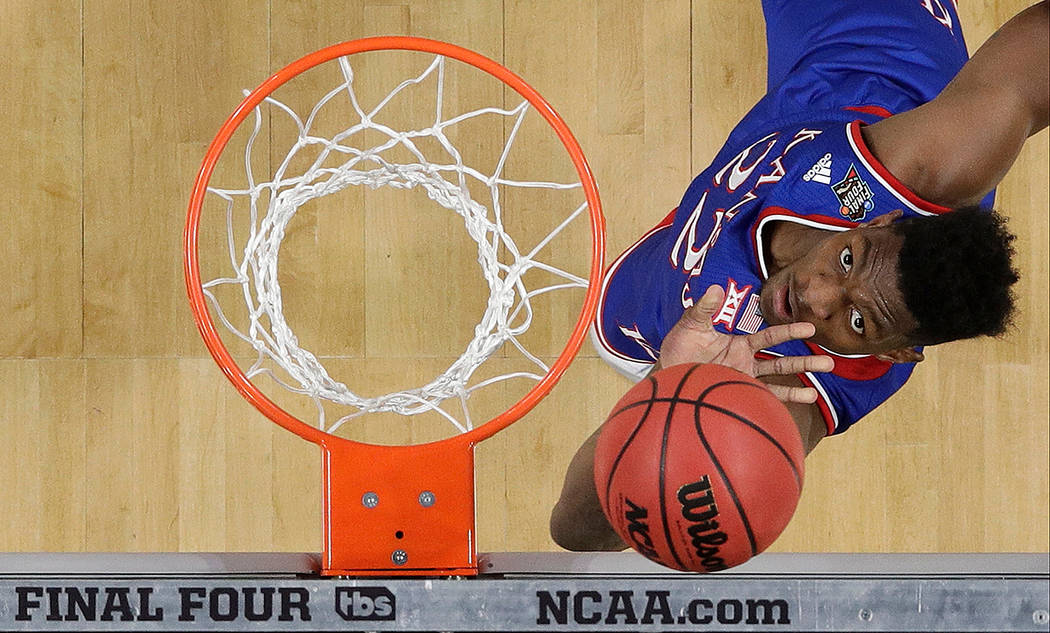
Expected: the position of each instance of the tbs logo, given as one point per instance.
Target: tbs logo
(365, 603)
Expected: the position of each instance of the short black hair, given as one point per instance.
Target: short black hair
(955, 272)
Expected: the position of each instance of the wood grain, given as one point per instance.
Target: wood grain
(122, 434)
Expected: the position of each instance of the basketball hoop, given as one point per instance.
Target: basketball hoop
(387, 509)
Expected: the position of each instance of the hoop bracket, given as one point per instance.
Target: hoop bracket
(398, 510)
(388, 510)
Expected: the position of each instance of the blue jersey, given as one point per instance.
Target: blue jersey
(798, 156)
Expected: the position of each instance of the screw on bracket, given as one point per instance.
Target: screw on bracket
(426, 498)
(370, 500)
(400, 557)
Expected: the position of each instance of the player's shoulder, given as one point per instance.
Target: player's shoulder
(761, 156)
(838, 179)
(790, 151)
(787, 134)
(854, 388)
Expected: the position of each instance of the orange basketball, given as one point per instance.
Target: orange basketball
(699, 467)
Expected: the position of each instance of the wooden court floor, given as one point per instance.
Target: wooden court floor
(122, 435)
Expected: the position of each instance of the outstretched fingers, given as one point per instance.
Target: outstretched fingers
(800, 395)
(777, 334)
(790, 365)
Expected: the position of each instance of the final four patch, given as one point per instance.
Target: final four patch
(854, 195)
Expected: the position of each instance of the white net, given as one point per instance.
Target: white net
(370, 153)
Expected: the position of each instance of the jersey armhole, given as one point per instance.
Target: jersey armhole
(885, 178)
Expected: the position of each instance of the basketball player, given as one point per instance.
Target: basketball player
(841, 227)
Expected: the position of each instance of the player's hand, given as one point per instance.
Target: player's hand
(694, 340)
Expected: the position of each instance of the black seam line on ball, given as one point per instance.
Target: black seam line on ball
(726, 483)
(663, 462)
(623, 449)
(772, 440)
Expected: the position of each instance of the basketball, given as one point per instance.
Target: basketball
(699, 467)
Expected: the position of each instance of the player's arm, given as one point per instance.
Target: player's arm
(808, 418)
(956, 148)
(577, 521)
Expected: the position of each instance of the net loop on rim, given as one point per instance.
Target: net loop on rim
(339, 164)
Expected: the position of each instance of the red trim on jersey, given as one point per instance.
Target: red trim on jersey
(854, 367)
(871, 109)
(667, 221)
(833, 220)
(607, 277)
(826, 220)
(886, 176)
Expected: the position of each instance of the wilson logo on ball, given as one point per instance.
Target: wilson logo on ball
(638, 528)
(682, 422)
(699, 508)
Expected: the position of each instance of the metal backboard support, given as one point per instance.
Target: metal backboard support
(527, 592)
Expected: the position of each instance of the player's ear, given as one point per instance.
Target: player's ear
(901, 355)
(885, 219)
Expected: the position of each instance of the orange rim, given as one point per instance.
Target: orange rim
(191, 265)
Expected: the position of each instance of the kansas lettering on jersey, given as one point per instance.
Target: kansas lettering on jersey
(819, 174)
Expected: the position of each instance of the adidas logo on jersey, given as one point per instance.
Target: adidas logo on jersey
(821, 171)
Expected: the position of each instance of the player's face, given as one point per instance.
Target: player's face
(846, 286)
